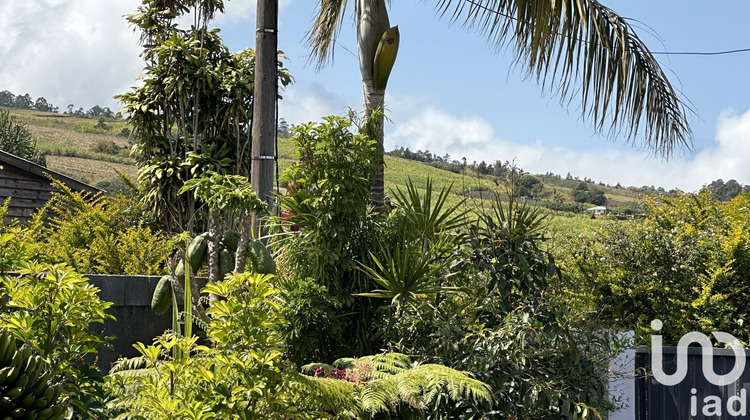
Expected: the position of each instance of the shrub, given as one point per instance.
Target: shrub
(326, 229)
(16, 139)
(686, 264)
(107, 147)
(50, 309)
(98, 234)
(492, 318)
(242, 373)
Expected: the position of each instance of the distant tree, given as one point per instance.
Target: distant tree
(71, 107)
(23, 102)
(529, 185)
(16, 139)
(725, 191)
(7, 99)
(41, 104)
(582, 194)
(283, 128)
(107, 113)
(596, 196)
(80, 112)
(101, 124)
(95, 111)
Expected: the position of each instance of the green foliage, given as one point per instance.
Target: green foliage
(328, 195)
(313, 319)
(497, 323)
(685, 264)
(25, 388)
(51, 309)
(225, 192)
(326, 229)
(582, 194)
(241, 376)
(99, 234)
(390, 382)
(193, 111)
(16, 139)
(406, 275)
(107, 147)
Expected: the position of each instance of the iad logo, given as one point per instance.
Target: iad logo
(736, 405)
(708, 357)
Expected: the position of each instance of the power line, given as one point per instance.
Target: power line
(742, 50)
(496, 12)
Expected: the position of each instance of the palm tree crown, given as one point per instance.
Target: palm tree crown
(575, 48)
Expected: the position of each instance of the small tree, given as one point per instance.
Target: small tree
(16, 139)
(226, 193)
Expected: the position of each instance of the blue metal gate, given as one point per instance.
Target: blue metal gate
(694, 397)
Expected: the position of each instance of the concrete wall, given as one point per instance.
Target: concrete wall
(131, 306)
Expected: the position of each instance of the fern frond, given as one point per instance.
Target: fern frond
(391, 362)
(309, 369)
(420, 386)
(325, 395)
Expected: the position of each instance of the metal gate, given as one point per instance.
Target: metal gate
(694, 397)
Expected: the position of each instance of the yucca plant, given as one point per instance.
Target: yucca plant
(430, 217)
(407, 274)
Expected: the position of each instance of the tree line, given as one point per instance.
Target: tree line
(10, 100)
(499, 168)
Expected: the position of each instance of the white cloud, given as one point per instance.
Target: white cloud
(440, 132)
(306, 101)
(69, 52)
(81, 52)
(242, 10)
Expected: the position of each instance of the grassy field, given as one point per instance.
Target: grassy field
(90, 171)
(70, 143)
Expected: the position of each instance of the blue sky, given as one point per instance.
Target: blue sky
(449, 91)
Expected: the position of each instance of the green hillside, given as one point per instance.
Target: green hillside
(93, 150)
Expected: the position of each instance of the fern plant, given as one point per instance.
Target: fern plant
(390, 382)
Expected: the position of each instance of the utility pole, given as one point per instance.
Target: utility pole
(264, 102)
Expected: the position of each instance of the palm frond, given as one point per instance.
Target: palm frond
(325, 29)
(582, 48)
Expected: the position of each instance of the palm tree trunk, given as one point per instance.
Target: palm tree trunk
(372, 22)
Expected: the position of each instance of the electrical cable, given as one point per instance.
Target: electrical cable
(725, 52)
(741, 50)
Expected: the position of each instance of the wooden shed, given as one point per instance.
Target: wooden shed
(29, 186)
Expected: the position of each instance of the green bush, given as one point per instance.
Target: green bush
(98, 234)
(686, 264)
(107, 147)
(326, 230)
(243, 374)
(16, 139)
(51, 309)
(493, 319)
